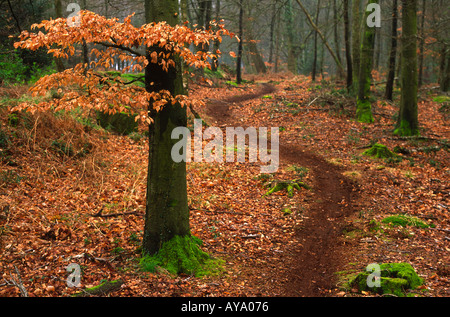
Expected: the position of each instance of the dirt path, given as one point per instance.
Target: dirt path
(320, 253)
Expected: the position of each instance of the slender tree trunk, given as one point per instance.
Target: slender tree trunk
(422, 42)
(58, 11)
(364, 107)
(167, 214)
(408, 123)
(240, 45)
(348, 53)
(316, 28)
(340, 73)
(356, 42)
(389, 93)
(216, 45)
(314, 70)
(292, 58)
(272, 31)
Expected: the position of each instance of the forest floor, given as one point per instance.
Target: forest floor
(57, 209)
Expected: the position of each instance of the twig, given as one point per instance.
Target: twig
(99, 214)
(219, 211)
(17, 283)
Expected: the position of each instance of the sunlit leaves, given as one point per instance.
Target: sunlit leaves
(88, 87)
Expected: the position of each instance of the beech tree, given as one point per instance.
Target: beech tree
(161, 104)
(408, 123)
(363, 106)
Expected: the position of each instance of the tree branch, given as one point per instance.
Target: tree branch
(316, 28)
(121, 47)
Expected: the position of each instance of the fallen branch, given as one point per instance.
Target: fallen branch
(17, 283)
(100, 214)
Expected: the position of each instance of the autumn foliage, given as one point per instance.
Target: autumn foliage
(86, 86)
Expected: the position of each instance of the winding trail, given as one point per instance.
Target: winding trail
(320, 252)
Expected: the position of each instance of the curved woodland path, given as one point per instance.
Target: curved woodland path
(320, 253)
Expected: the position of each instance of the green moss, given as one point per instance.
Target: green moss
(404, 129)
(120, 122)
(103, 288)
(288, 185)
(395, 278)
(182, 255)
(364, 111)
(405, 220)
(380, 151)
(441, 99)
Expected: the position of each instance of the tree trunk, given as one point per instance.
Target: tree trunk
(292, 58)
(389, 93)
(340, 73)
(444, 76)
(356, 42)
(364, 107)
(314, 70)
(272, 31)
(348, 53)
(167, 213)
(240, 45)
(408, 123)
(422, 42)
(58, 11)
(216, 45)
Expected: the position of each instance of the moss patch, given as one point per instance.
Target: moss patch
(380, 151)
(288, 185)
(100, 290)
(182, 255)
(405, 220)
(394, 278)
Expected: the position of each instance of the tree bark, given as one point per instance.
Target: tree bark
(364, 107)
(58, 11)
(167, 213)
(422, 42)
(408, 123)
(240, 45)
(348, 53)
(389, 93)
(314, 70)
(356, 42)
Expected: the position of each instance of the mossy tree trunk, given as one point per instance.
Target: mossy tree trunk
(364, 107)
(167, 213)
(408, 122)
